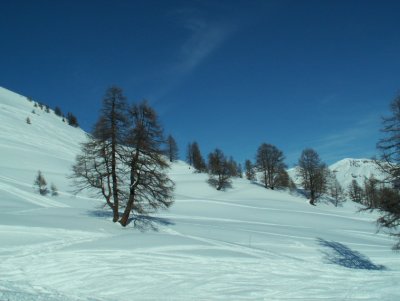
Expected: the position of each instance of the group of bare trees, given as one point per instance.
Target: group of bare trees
(219, 167)
(124, 159)
(314, 174)
(269, 165)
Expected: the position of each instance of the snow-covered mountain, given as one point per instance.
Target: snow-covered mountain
(347, 170)
(246, 243)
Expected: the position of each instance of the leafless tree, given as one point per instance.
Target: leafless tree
(313, 173)
(172, 149)
(150, 188)
(109, 132)
(355, 192)
(249, 170)
(269, 161)
(194, 156)
(219, 169)
(388, 203)
(334, 188)
(124, 161)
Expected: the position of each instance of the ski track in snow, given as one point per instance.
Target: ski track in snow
(37, 200)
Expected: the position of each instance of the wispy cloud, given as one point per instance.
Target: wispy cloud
(204, 37)
(358, 140)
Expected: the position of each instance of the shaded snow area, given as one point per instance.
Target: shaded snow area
(246, 243)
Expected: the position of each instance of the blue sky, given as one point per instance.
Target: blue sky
(227, 74)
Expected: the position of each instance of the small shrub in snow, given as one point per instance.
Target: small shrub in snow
(41, 184)
(72, 120)
(28, 121)
(57, 111)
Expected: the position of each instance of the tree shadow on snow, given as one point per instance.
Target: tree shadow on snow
(148, 223)
(101, 213)
(342, 255)
(140, 222)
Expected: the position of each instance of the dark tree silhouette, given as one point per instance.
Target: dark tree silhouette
(58, 111)
(371, 192)
(249, 170)
(189, 155)
(41, 184)
(239, 171)
(269, 161)
(109, 131)
(150, 188)
(172, 149)
(124, 161)
(72, 120)
(387, 202)
(313, 174)
(355, 192)
(219, 169)
(92, 171)
(195, 156)
(233, 167)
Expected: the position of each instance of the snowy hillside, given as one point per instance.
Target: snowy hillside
(246, 243)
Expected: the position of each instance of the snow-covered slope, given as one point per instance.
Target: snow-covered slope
(246, 243)
(47, 144)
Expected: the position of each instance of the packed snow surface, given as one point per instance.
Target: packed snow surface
(245, 243)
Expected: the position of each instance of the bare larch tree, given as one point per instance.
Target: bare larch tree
(219, 169)
(269, 161)
(172, 149)
(150, 188)
(313, 173)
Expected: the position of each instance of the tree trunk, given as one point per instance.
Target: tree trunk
(125, 216)
(265, 179)
(134, 182)
(116, 214)
(312, 197)
(114, 164)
